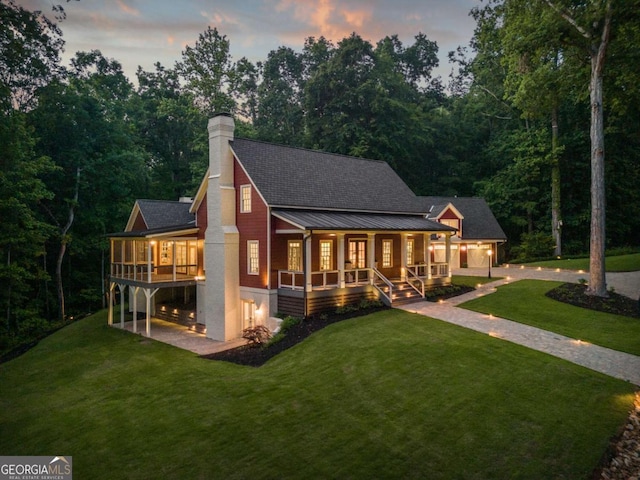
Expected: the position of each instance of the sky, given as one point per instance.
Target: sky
(143, 32)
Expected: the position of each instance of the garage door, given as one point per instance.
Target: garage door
(478, 256)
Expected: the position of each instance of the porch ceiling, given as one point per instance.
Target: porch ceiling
(323, 220)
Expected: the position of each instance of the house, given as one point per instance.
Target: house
(276, 229)
(478, 233)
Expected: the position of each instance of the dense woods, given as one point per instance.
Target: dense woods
(516, 123)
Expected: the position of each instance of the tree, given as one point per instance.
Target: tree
(84, 125)
(30, 46)
(170, 129)
(593, 22)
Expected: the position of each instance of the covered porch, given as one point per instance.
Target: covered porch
(329, 260)
(142, 264)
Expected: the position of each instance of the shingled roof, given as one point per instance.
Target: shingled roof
(479, 222)
(160, 214)
(299, 178)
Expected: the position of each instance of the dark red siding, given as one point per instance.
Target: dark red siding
(251, 226)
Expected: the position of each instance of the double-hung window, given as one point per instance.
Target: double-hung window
(245, 199)
(253, 257)
(387, 253)
(326, 254)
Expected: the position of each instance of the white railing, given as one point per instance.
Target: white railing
(329, 279)
(439, 269)
(412, 278)
(153, 273)
(387, 282)
(356, 276)
(292, 279)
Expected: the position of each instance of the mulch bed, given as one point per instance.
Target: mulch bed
(615, 303)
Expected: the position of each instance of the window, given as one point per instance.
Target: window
(253, 257)
(357, 249)
(451, 222)
(245, 199)
(326, 254)
(387, 253)
(410, 251)
(295, 256)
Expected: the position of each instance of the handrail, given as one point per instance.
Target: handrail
(292, 285)
(411, 280)
(387, 282)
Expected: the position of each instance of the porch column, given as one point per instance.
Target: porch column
(371, 253)
(173, 255)
(122, 290)
(448, 253)
(134, 303)
(427, 253)
(149, 295)
(112, 286)
(149, 257)
(308, 285)
(404, 238)
(341, 259)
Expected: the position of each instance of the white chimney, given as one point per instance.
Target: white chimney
(222, 289)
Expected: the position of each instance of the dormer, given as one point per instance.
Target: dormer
(450, 216)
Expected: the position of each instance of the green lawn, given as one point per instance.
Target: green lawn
(618, 263)
(471, 281)
(524, 302)
(390, 395)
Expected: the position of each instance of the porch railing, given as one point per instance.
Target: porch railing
(355, 277)
(413, 279)
(387, 283)
(292, 279)
(154, 273)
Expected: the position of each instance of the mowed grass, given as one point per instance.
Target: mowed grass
(469, 281)
(389, 395)
(525, 302)
(617, 263)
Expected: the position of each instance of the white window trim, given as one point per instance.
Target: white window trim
(243, 208)
(299, 256)
(330, 242)
(250, 243)
(389, 242)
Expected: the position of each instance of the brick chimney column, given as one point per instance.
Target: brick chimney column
(222, 238)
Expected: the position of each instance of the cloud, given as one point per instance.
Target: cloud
(127, 9)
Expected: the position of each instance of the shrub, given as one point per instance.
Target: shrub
(256, 336)
(288, 322)
(534, 245)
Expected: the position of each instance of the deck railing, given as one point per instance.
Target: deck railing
(154, 273)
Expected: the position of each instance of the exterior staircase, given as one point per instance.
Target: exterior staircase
(402, 293)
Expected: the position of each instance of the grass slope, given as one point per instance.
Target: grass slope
(390, 395)
(617, 263)
(525, 302)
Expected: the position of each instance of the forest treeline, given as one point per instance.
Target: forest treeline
(80, 142)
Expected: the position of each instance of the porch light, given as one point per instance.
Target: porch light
(152, 242)
(463, 248)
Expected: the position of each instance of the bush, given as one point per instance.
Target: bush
(533, 246)
(256, 336)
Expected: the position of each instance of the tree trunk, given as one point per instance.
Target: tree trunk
(597, 275)
(556, 216)
(64, 240)
(597, 280)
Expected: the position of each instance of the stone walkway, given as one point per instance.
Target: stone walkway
(610, 362)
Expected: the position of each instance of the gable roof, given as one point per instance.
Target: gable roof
(479, 222)
(162, 214)
(291, 177)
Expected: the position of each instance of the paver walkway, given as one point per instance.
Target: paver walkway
(610, 362)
